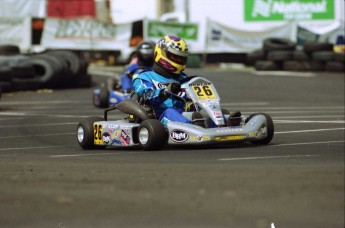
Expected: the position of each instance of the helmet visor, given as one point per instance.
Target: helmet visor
(176, 58)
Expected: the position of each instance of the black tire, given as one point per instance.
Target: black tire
(5, 87)
(25, 84)
(274, 44)
(300, 55)
(316, 66)
(104, 96)
(9, 50)
(45, 70)
(339, 57)
(155, 132)
(12, 60)
(312, 47)
(279, 55)
(333, 66)
(23, 72)
(266, 65)
(322, 56)
(85, 133)
(5, 73)
(296, 66)
(269, 129)
(71, 59)
(62, 73)
(255, 56)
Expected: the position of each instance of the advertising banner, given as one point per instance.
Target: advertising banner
(16, 31)
(154, 30)
(158, 29)
(22, 8)
(224, 39)
(305, 36)
(85, 34)
(284, 10)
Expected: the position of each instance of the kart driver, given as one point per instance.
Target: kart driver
(142, 61)
(170, 59)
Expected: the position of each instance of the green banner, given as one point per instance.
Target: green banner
(158, 29)
(286, 10)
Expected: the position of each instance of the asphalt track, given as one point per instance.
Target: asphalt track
(47, 180)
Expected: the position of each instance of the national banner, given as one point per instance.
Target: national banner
(287, 10)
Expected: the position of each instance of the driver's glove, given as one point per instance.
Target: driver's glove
(174, 87)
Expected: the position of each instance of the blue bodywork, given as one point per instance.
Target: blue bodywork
(104, 99)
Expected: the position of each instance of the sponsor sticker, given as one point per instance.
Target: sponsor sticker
(179, 136)
(97, 133)
(200, 138)
(125, 138)
(106, 138)
(229, 137)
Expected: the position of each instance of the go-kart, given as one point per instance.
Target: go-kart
(139, 127)
(107, 95)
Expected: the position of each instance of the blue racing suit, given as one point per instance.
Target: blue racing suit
(166, 108)
(126, 77)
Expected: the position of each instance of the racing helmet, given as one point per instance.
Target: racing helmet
(171, 53)
(145, 52)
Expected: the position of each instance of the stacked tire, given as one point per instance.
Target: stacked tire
(52, 69)
(281, 54)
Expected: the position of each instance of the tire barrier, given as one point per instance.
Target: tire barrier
(9, 50)
(52, 69)
(281, 54)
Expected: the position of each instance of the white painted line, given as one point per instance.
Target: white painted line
(321, 108)
(284, 73)
(37, 125)
(278, 118)
(245, 104)
(46, 115)
(42, 135)
(42, 115)
(314, 130)
(79, 155)
(308, 143)
(266, 157)
(35, 147)
(309, 121)
(44, 102)
(97, 154)
(303, 111)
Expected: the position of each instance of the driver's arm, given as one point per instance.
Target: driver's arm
(143, 87)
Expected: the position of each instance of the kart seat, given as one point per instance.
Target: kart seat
(142, 101)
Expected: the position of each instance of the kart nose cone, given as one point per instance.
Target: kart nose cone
(80, 134)
(143, 135)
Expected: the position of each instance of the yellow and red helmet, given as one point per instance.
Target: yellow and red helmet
(171, 53)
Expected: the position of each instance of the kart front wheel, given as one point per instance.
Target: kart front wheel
(85, 132)
(152, 134)
(104, 96)
(268, 128)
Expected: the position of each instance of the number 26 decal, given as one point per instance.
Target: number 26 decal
(98, 131)
(203, 92)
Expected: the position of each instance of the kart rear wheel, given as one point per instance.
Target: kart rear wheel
(269, 129)
(85, 132)
(152, 134)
